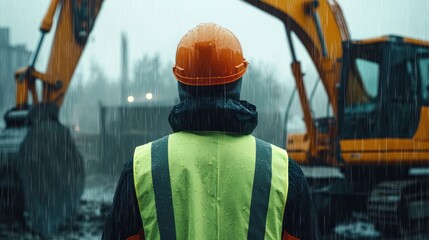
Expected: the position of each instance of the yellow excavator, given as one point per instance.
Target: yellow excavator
(41, 170)
(378, 135)
(377, 88)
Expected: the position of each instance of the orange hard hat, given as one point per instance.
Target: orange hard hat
(208, 55)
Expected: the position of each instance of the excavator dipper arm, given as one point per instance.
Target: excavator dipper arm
(320, 26)
(75, 22)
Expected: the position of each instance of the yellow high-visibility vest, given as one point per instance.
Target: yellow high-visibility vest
(211, 185)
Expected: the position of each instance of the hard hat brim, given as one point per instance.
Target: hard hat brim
(210, 81)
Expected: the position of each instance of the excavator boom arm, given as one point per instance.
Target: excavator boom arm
(75, 22)
(320, 26)
(74, 25)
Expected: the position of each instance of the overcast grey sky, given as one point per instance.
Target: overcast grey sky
(157, 26)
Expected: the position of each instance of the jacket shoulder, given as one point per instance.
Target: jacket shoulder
(140, 150)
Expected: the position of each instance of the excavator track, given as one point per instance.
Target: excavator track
(400, 207)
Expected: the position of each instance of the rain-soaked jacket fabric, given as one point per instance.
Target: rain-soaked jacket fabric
(197, 185)
(214, 114)
(214, 108)
(299, 219)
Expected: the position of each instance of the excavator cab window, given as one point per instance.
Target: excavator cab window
(362, 86)
(384, 85)
(361, 75)
(401, 74)
(369, 72)
(402, 95)
(423, 69)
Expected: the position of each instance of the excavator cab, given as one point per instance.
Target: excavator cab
(384, 83)
(383, 129)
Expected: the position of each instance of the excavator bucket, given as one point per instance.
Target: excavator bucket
(41, 170)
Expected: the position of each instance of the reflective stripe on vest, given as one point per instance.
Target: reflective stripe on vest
(211, 186)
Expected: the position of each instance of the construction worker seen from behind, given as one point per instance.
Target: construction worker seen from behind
(211, 179)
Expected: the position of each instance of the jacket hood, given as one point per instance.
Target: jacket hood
(213, 114)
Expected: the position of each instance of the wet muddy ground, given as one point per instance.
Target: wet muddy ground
(88, 224)
(96, 202)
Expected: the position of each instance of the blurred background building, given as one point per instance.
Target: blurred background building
(12, 57)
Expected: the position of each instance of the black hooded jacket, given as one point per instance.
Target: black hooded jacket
(214, 109)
